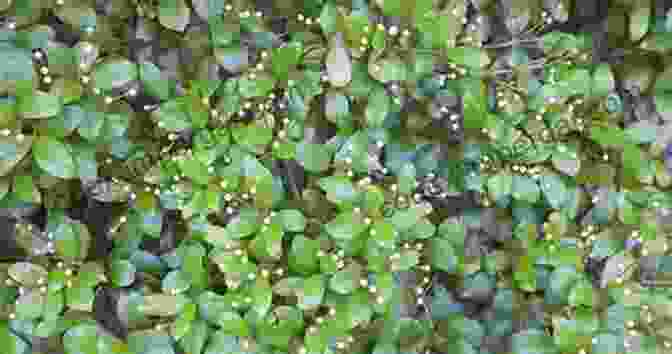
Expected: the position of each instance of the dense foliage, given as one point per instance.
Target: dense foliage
(329, 176)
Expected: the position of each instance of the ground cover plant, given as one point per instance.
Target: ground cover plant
(329, 176)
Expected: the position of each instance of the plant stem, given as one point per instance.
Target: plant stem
(511, 43)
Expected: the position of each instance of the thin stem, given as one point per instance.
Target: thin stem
(511, 43)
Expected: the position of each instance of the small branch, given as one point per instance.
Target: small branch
(511, 43)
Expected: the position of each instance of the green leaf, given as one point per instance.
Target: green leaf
(526, 189)
(311, 294)
(223, 34)
(11, 343)
(642, 132)
(150, 342)
(262, 296)
(581, 294)
(259, 86)
(85, 159)
(195, 170)
(470, 57)
(389, 69)
(500, 186)
(384, 234)
(223, 343)
(194, 340)
(404, 219)
(555, 191)
(532, 341)
(243, 225)
(377, 108)
(114, 73)
(25, 189)
(71, 241)
(53, 306)
(344, 281)
(232, 324)
(175, 282)
(313, 157)
(253, 137)
(328, 18)
(193, 264)
(406, 261)
(561, 283)
(556, 41)
(346, 226)
(609, 136)
(578, 81)
(81, 339)
(292, 220)
(39, 105)
(602, 80)
(174, 14)
(183, 322)
(154, 84)
(525, 274)
(442, 255)
(303, 255)
(340, 190)
(285, 59)
(122, 273)
(17, 66)
(30, 305)
(407, 178)
(12, 151)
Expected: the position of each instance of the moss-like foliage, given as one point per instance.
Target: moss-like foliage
(327, 176)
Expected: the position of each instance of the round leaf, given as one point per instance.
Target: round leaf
(122, 273)
(54, 157)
